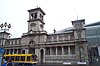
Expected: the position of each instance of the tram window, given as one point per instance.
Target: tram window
(17, 58)
(7, 58)
(22, 58)
(4, 57)
(12, 58)
(34, 57)
(28, 58)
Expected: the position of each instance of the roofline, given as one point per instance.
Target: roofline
(36, 10)
(81, 20)
(93, 24)
(5, 32)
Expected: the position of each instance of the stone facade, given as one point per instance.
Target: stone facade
(61, 46)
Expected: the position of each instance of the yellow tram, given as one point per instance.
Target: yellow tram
(30, 58)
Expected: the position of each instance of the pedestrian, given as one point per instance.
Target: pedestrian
(9, 63)
(5, 63)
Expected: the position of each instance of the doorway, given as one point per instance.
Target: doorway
(41, 55)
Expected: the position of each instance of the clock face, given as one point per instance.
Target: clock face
(32, 24)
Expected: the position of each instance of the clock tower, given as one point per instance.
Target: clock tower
(36, 22)
(36, 34)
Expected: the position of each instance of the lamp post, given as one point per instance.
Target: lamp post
(4, 27)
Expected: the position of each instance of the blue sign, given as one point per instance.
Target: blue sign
(1, 55)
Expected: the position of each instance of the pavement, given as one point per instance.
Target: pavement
(55, 64)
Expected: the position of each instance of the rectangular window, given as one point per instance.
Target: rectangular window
(28, 58)
(65, 37)
(22, 58)
(53, 50)
(49, 38)
(7, 58)
(35, 15)
(11, 51)
(72, 49)
(61, 37)
(54, 38)
(17, 58)
(19, 42)
(12, 58)
(15, 41)
(11, 42)
(7, 52)
(15, 51)
(19, 51)
(65, 50)
(59, 50)
(47, 50)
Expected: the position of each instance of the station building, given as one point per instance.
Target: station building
(67, 45)
(93, 40)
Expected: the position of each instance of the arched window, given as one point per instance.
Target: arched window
(41, 26)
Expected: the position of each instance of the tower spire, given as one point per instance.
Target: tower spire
(77, 15)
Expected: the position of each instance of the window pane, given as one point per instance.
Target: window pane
(22, 58)
(7, 58)
(17, 58)
(7, 51)
(11, 51)
(47, 50)
(34, 57)
(72, 49)
(28, 58)
(59, 50)
(53, 50)
(15, 51)
(65, 50)
(12, 58)
(35, 15)
(19, 51)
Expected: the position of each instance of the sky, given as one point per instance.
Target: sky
(59, 13)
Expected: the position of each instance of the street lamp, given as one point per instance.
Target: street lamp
(4, 27)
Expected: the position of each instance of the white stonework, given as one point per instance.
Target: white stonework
(63, 46)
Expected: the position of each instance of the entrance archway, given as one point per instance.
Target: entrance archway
(41, 56)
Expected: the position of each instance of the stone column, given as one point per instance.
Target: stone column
(9, 51)
(68, 50)
(17, 51)
(27, 51)
(50, 51)
(62, 50)
(56, 50)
